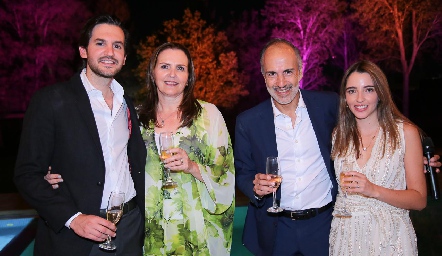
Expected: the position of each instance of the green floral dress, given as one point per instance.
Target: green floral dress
(195, 218)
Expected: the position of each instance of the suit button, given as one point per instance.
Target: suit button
(99, 183)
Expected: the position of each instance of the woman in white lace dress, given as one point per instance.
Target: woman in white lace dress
(386, 180)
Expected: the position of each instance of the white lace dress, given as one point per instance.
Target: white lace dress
(375, 228)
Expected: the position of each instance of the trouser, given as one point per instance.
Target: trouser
(303, 237)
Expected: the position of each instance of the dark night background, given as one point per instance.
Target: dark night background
(147, 17)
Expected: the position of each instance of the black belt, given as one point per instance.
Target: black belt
(306, 214)
(127, 207)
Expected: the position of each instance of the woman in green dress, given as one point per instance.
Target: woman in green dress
(195, 217)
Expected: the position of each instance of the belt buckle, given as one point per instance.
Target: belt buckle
(298, 215)
(303, 214)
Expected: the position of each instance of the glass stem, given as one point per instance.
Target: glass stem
(167, 174)
(274, 200)
(345, 199)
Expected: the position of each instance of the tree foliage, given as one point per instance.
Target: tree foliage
(216, 67)
(397, 30)
(249, 34)
(313, 26)
(37, 46)
(117, 8)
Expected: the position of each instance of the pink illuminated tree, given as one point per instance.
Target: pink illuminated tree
(313, 26)
(37, 46)
(397, 30)
(249, 34)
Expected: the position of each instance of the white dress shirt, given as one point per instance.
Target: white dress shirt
(306, 183)
(114, 136)
(113, 131)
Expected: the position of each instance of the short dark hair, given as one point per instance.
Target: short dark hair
(86, 31)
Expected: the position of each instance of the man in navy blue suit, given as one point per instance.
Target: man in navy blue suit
(295, 125)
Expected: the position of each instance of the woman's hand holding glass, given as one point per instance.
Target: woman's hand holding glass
(180, 161)
(356, 182)
(346, 167)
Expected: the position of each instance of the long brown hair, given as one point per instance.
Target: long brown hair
(346, 132)
(189, 107)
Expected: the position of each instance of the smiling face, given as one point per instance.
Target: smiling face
(105, 52)
(171, 72)
(361, 96)
(281, 73)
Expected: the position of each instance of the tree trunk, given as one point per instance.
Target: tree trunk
(406, 94)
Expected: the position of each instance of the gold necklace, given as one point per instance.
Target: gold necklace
(160, 124)
(371, 141)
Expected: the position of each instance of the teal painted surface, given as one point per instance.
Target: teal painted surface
(238, 224)
(29, 250)
(9, 228)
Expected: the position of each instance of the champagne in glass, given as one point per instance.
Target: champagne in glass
(272, 169)
(114, 211)
(346, 166)
(114, 215)
(166, 143)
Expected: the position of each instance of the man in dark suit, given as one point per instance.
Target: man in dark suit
(295, 125)
(86, 130)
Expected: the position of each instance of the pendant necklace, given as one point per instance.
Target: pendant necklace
(371, 141)
(160, 124)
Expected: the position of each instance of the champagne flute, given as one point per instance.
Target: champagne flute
(114, 211)
(346, 166)
(166, 143)
(272, 168)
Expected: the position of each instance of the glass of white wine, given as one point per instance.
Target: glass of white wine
(166, 143)
(114, 211)
(346, 166)
(272, 168)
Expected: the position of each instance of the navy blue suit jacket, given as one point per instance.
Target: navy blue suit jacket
(59, 130)
(255, 140)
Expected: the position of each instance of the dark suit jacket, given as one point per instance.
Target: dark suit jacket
(255, 140)
(59, 130)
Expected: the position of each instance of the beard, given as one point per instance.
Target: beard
(284, 100)
(104, 72)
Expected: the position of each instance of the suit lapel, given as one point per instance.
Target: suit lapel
(316, 115)
(267, 134)
(85, 109)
